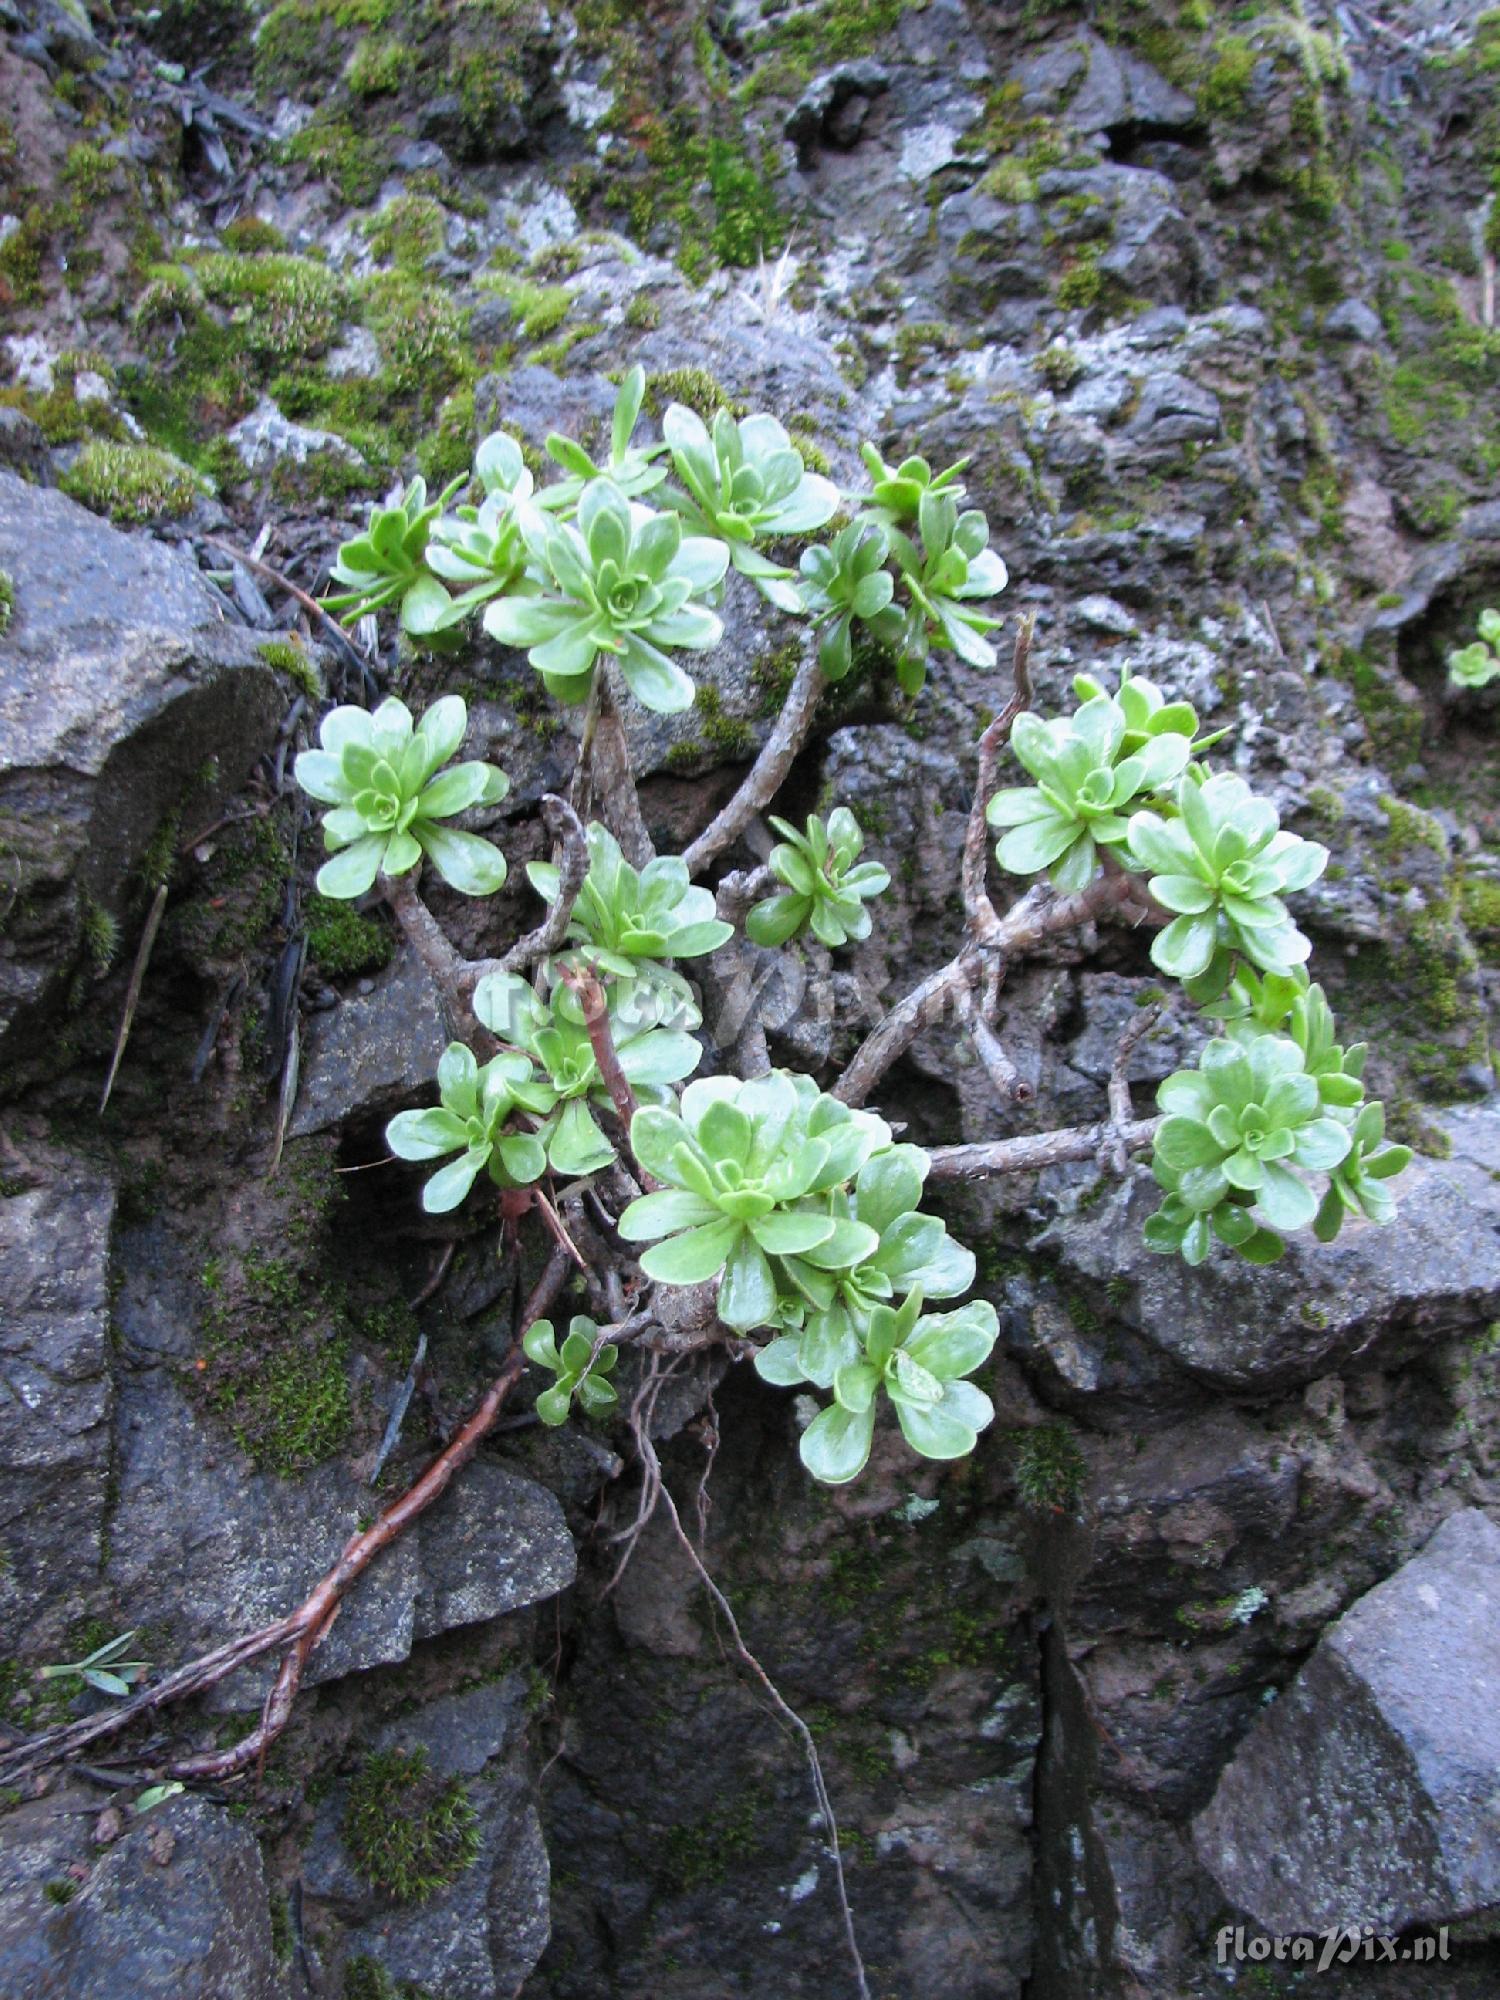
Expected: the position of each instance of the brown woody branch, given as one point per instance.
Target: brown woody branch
(767, 774)
(1034, 1150)
(300, 1630)
(614, 781)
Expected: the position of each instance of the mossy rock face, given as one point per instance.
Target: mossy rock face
(409, 1832)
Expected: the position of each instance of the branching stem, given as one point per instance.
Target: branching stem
(767, 774)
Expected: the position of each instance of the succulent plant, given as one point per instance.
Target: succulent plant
(745, 482)
(1223, 866)
(478, 1103)
(633, 468)
(553, 1033)
(739, 1162)
(381, 778)
(626, 916)
(920, 1363)
(882, 1248)
(1478, 663)
(624, 582)
(1357, 1185)
(1088, 766)
(580, 1365)
(953, 566)
(1235, 1129)
(385, 564)
(480, 549)
(845, 580)
(825, 885)
(897, 491)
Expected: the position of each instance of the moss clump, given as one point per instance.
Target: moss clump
(131, 482)
(342, 943)
(7, 599)
(409, 1832)
(250, 235)
(1082, 284)
(281, 305)
(539, 309)
(812, 38)
(695, 1857)
(354, 161)
(1479, 905)
(695, 388)
(291, 659)
(1050, 1468)
(274, 1362)
(367, 1979)
(407, 231)
(1225, 90)
(379, 67)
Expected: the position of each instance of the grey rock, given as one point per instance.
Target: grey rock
(1366, 1794)
(833, 108)
(1105, 614)
(119, 682)
(1173, 411)
(1353, 320)
(357, 354)
(1375, 1292)
(55, 1397)
(373, 1052)
(1097, 88)
(266, 438)
(482, 1936)
(177, 1906)
(257, 1544)
(23, 446)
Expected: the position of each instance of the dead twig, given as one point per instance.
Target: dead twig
(614, 781)
(571, 848)
(767, 774)
(133, 991)
(1034, 1150)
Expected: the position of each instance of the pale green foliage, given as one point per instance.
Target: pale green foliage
(583, 569)
(106, 1669)
(745, 482)
(919, 1362)
(1223, 864)
(1275, 1099)
(552, 1032)
(385, 565)
(741, 1165)
(625, 582)
(845, 580)
(1089, 768)
(478, 1120)
(379, 774)
(825, 885)
(1478, 663)
(580, 1365)
(627, 916)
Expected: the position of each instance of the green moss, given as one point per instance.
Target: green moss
(23, 255)
(1050, 1468)
(291, 659)
(355, 161)
(694, 387)
(342, 942)
(7, 600)
(1479, 905)
(60, 1890)
(281, 305)
(711, 1849)
(407, 232)
(250, 235)
(539, 309)
(408, 1832)
(367, 1979)
(791, 48)
(1082, 283)
(379, 67)
(131, 482)
(643, 311)
(1409, 828)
